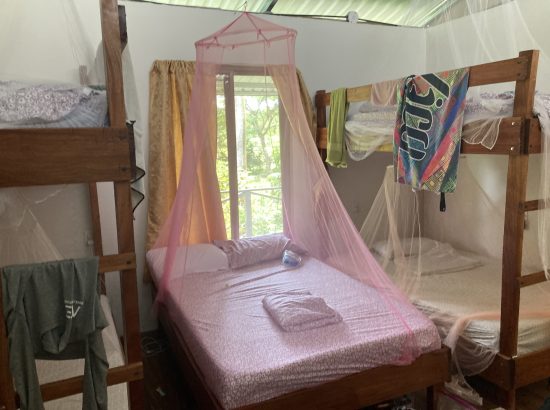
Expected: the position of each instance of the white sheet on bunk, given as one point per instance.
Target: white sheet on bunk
(444, 297)
(246, 358)
(53, 370)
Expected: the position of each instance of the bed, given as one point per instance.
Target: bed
(517, 136)
(51, 371)
(468, 284)
(246, 359)
(69, 142)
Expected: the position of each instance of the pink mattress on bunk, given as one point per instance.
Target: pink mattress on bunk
(245, 357)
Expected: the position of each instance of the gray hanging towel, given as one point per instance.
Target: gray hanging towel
(53, 312)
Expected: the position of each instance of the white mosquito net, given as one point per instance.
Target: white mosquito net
(450, 263)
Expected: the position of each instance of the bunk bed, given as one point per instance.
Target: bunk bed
(51, 156)
(519, 136)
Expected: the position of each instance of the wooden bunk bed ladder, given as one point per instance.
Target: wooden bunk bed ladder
(62, 156)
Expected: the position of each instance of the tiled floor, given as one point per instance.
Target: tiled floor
(165, 389)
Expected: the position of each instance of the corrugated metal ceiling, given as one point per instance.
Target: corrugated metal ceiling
(395, 12)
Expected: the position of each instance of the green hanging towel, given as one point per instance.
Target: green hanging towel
(336, 145)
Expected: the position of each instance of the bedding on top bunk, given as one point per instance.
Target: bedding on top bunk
(53, 370)
(51, 106)
(371, 126)
(452, 288)
(243, 354)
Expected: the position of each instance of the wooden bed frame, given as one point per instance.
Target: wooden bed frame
(429, 371)
(85, 155)
(519, 136)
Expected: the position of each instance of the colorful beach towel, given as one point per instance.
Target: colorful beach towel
(428, 130)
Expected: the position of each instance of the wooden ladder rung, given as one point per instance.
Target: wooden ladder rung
(117, 262)
(529, 206)
(531, 279)
(68, 387)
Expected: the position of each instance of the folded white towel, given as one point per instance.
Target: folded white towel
(296, 311)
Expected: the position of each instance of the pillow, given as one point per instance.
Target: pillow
(410, 246)
(203, 257)
(444, 259)
(250, 251)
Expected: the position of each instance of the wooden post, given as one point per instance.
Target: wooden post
(513, 219)
(123, 204)
(321, 111)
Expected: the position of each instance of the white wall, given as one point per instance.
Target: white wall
(499, 33)
(330, 54)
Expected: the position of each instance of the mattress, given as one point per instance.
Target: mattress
(245, 358)
(51, 106)
(445, 297)
(53, 370)
(478, 290)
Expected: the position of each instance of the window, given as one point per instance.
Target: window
(249, 154)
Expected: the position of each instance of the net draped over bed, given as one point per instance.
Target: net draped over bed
(450, 263)
(313, 215)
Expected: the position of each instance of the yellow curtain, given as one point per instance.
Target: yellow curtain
(169, 96)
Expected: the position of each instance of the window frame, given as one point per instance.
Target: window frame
(228, 72)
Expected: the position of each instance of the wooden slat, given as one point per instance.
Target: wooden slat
(118, 262)
(96, 229)
(356, 94)
(321, 112)
(534, 144)
(514, 69)
(322, 138)
(532, 367)
(516, 187)
(532, 279)
(529, 206)
(68, 387)
(502, 71)
(123, 204)
(508, 142)
(112, 50)
(63, 156)
(128, 289)
(501, 372)
(366, 388)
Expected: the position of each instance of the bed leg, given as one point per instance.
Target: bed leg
(432, 395)
(511, 399)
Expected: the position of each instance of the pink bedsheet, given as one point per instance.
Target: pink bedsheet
(246, 358)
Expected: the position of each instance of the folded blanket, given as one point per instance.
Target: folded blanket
(297, 311)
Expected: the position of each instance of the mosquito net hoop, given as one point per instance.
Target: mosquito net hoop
(313, 215)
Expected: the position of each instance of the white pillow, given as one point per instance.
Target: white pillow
(203, 257)
(444, 259)
(251, 251)
(410, 246)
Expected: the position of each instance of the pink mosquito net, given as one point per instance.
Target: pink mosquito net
(313, 215)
